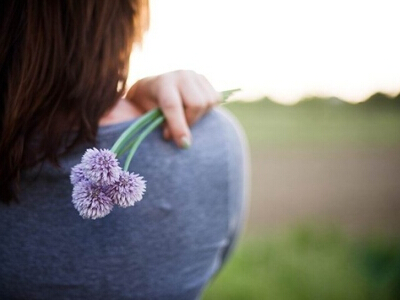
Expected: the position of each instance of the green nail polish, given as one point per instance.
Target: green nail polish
(185, 142)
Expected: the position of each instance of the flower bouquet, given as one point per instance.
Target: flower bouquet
(99, 182)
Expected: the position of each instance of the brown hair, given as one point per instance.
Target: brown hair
(63, 64)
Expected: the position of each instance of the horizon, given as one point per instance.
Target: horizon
(332, 99)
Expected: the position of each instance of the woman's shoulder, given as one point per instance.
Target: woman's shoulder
(218, 130)
(216, 135)
(221, 119)
(222, 123)
(221, 134)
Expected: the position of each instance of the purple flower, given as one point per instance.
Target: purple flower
(128, 189)
(91, 201)
(99, 183)
(77, 174)
(100, 166)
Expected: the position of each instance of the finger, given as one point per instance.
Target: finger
(193, 116)
(194, 99)
(203, 98)
(139, 94)
(212, 96)
(130, 94)
(171, 105)
(166, 133)
(146, 104)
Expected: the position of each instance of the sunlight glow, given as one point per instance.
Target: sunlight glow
(284, 49)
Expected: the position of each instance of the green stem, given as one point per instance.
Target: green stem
(127, 147)
(134, 128)
(140, 138)
(151, 119)
(227, 93)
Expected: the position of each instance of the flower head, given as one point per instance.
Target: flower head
(91, 201)
(77, 174)
(100, 166)
(128, 189)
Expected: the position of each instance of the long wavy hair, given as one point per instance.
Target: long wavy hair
(63, 65)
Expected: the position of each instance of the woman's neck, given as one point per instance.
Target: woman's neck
(122, 111)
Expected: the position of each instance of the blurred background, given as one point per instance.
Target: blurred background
(320, 104)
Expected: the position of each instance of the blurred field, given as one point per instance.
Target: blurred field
(324, 219)
(310, 263)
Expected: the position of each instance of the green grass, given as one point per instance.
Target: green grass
(318, 123)
(306, 263)
(314, 262)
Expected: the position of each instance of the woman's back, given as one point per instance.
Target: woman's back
(165, 247)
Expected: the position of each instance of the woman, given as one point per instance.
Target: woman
(63, 68)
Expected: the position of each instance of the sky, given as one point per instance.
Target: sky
(283, 49)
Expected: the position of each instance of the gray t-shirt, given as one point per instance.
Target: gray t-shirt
(167, 246)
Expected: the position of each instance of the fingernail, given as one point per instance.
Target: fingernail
(185, 142)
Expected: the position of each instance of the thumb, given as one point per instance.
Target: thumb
(171, 106)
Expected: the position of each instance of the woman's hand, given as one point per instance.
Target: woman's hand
(183, 96)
